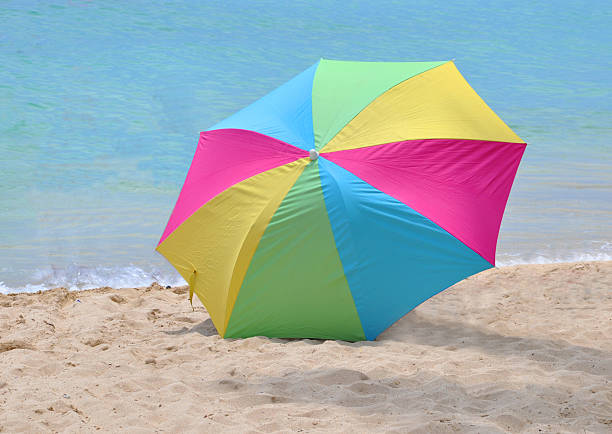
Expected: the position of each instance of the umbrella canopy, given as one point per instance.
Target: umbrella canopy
(342, 200)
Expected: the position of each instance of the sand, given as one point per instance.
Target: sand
(516, 349)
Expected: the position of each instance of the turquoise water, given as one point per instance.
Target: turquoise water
(101, 104)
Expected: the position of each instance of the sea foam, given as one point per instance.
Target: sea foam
(76, 277)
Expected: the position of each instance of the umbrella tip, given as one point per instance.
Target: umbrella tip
(313, 154)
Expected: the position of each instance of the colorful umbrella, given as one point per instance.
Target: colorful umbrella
(342, 200)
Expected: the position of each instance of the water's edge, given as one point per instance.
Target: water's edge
(77, 278)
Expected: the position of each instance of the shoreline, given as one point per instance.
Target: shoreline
(523, 347)
(118, 288)
(86, 277)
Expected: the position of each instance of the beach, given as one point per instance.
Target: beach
(524, 348)
(349, 159)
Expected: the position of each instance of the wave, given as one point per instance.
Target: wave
(77, 277)
(509, 260)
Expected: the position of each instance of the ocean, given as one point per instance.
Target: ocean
(101, 104)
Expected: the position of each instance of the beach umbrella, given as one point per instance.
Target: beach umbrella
(343, 199)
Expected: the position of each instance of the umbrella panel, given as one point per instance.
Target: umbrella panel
(436, 104)
(213, 247)
(393, 257)
(295, 285)
(342, 89)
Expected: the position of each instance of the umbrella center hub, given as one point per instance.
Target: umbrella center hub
(313, 154)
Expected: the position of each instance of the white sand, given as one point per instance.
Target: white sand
(525, 348)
